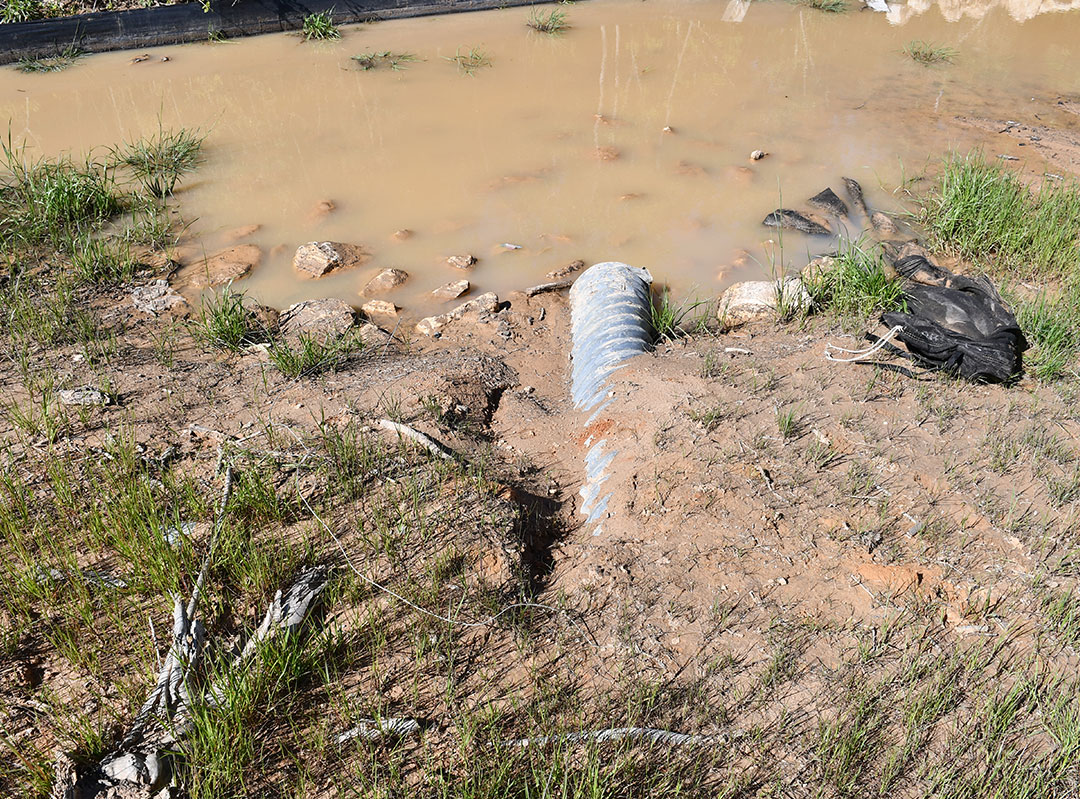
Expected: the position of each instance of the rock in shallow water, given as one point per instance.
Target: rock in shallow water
(386, 280)
(452, 290)
(318, 258)
(786, 218)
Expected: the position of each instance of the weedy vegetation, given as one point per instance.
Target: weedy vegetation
(224, 323)
(929, 54)
(470, 61)
(985, 214)
(320, 26)
(312, 355)
(55, 63)
(829, 6)
(670, 318)
(395, 61)
(552, 22)
(160, 161)
(24, 10)
(855, 286)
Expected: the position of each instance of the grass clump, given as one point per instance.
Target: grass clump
(471, 60)
(23, 11)
(553, 22)
(225, 324)
(320, 26)
(52, 201)
(983, 213)
(158, 162)
(855, 287)
(54, 63)
(99, 262)
(668, 316)
(1052, 327)
(929, 54)
(395, 61)
(311, 355)
(830, 6)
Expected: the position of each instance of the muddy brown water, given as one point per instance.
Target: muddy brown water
(559, 146)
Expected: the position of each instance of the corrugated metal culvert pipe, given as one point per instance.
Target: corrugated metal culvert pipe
(611, 321)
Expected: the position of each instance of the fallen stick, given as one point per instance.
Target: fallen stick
(285, 615)
(428, 443)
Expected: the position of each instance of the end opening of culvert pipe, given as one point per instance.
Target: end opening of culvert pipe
(611, 322)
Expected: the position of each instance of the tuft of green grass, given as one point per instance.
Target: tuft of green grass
(668, 317)
(159, 161)
(225, 324)
(789, 422)
(54, 63)
(24, 11)
(928, 54)
(985, 214)
(368, 61)
(320, 26)
(470, 61)
(100, 262)
(855, 287)
(830, 6)
(1052, 327)
(312, 355)
(553, 22)
(52, 201)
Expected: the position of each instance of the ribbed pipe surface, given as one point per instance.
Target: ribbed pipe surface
(611, 321)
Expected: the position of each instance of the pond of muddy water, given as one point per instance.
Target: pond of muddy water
(625, 138)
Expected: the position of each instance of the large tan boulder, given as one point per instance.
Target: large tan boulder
(761, 299)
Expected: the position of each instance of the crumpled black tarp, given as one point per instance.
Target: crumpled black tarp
(957, 324)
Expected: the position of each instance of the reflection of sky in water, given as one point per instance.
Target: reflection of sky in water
(951, 10)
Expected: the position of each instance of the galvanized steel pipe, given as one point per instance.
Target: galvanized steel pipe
(611, 321)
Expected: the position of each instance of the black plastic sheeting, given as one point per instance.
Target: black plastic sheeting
(150, 27)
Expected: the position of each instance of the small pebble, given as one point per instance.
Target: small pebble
(757, 155)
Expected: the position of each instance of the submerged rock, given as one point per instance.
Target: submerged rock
(786, 218)
(220, 268)
(882, 224)
(761, 299)
(328, 318)
(318, 258)
(564, 271)
(242, 232)
(384, 281)
(452, 290)
(855, 194)
(461, 261)
(827, 200)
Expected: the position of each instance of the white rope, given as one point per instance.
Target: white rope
(646, 734)
(858, 355)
